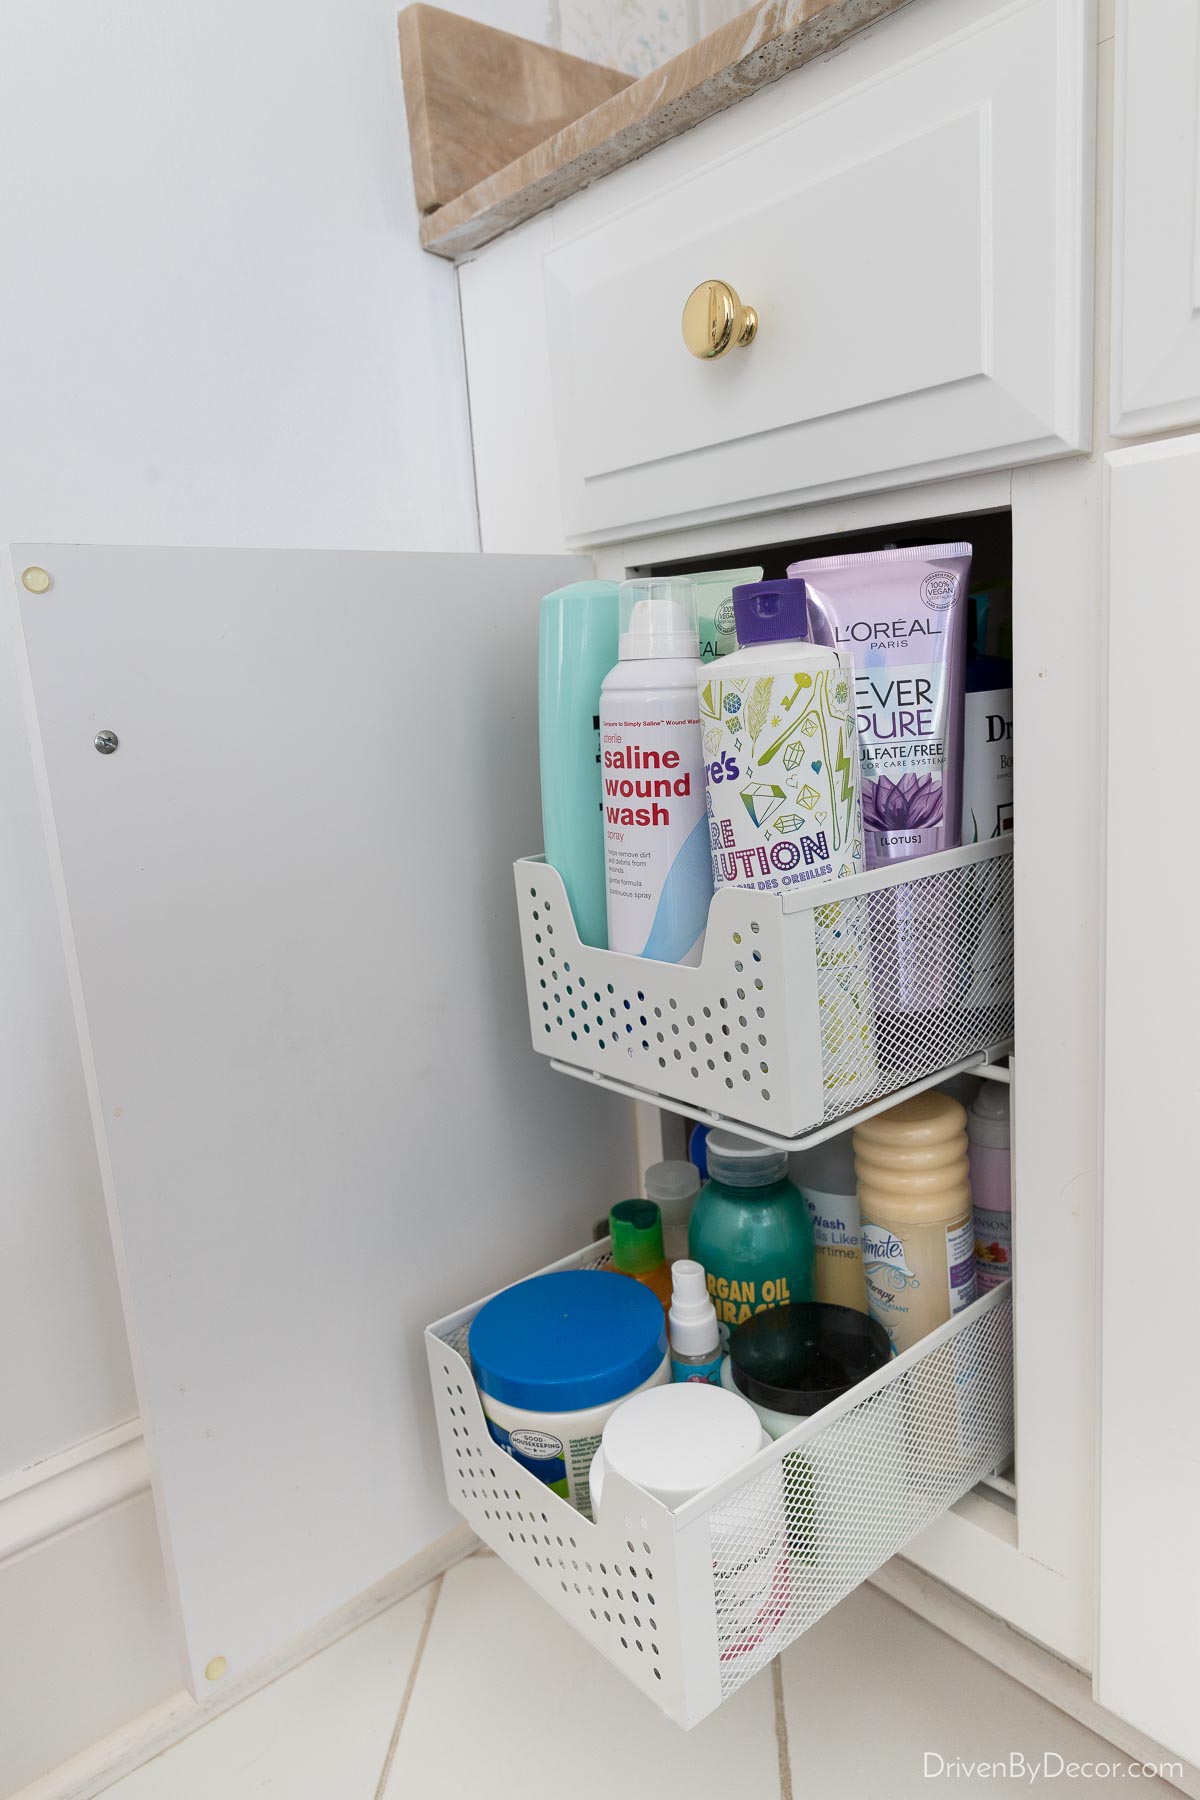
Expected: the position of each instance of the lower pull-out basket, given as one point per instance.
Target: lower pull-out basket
(691, 1604)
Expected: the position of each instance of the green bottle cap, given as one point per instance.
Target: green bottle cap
(637, 1240)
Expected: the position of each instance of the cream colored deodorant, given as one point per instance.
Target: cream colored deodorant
(914, 1198)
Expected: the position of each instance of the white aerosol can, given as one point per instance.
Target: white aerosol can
(656, 842)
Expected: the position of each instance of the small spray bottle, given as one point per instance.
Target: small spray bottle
(695, 1334)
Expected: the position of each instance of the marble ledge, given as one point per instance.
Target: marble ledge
(758, 47)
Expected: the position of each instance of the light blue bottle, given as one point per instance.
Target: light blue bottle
(577, 646)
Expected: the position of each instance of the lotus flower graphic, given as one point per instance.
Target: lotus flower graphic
(908, 804)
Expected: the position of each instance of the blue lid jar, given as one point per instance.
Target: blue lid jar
(566, 1341)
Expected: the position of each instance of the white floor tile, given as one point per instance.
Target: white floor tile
(510, 1702)
(871, 1688)
(318, 1733)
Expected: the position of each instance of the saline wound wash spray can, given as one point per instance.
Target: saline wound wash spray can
(657, 866)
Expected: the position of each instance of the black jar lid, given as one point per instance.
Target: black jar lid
(796, 1359)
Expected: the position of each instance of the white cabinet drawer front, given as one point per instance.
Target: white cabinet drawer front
(1156, 218)
(910, 221)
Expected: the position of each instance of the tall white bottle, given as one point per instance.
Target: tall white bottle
(784, 801)
(781, 749)
(656, 843)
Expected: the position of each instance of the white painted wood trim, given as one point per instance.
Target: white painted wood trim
(48, 1497)
(987, 491)
(1017, 1656)
(1148, 1582)
(974, 1550)
(98, 1768)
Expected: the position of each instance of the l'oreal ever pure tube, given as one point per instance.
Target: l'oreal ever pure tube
(657, 865)
(902, 616)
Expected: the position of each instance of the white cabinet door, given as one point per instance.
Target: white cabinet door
(298, 985)
(912, 221)
(1148, 1666)
(1156, 217)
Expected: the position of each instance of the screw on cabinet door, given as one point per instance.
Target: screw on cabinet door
(106, 742)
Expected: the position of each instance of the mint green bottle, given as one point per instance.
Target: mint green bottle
(751, 1231)
(577, 646)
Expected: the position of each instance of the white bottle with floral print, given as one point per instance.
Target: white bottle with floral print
(780, 750)
(784, 797)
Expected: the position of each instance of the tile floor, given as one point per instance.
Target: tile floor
(473, 1690)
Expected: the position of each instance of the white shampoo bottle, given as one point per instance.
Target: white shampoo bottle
(784, 801)
(656, 843)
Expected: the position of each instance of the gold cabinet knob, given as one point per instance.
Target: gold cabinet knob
(714, 318)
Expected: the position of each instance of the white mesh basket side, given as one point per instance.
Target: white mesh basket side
(912, 978)
(801, 1535)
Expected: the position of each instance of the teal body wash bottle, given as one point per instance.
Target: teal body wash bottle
(577, 646)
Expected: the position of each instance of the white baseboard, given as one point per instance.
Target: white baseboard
(53, 1495)
(177, 1716)
(89, 1671)
(1000, 1644)
(86, 1640)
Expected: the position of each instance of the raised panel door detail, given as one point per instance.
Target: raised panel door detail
(910, 221)
(1148, 1662)
(1156, 217)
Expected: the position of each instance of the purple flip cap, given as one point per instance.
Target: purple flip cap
(767, 612)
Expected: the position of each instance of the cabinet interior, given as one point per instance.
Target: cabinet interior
(990, 536)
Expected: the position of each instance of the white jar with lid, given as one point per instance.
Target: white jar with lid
(673, 1442)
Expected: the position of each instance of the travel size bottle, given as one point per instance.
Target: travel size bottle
(673, 1186)
(696, 1353)
(637, 1246)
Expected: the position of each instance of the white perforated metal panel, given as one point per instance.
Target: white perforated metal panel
(690, 1604)
(804, 1008)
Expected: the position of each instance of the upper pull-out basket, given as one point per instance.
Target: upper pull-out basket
(804, 1008)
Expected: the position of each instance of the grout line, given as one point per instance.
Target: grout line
(466, 377)
(435, 1589)
(781, 1731)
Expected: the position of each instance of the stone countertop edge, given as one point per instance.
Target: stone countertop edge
(753, 50)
